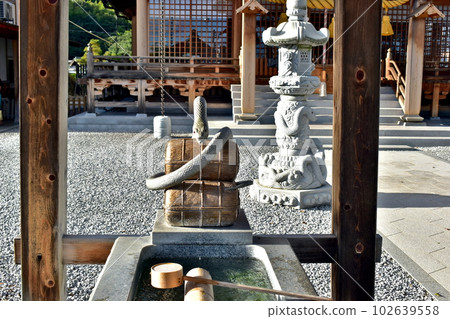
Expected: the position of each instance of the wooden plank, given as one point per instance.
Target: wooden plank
(43, 146)
(355, 147)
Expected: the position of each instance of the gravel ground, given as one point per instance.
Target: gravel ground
(107, 195)
(439, 152)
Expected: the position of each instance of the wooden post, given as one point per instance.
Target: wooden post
(436, 93)
(90, 60)
(435, 102)
(355, 147)
(133, 36)
(387, 64)
(43, 146)
(91, 97)
(142, 15)
(16, 79)
(414, 66)
(141, 97)
(91, 81)
(237, 30)
(191, 95)
(248, 67)
(249, 11)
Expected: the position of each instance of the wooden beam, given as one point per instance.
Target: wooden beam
(95, 249)
(355, 147)
(80, 249)
(43, 146)
(315, 248)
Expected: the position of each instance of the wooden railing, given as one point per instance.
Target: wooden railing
(191, 76)
(393, 73)
(150, 67)
(76, 105)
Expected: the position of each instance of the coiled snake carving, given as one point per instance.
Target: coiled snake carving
(200, 133)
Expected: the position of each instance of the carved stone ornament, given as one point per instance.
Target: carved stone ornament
(300, 162)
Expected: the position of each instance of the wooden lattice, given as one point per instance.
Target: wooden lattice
(437, 39)
(203, 28)
(199, 28)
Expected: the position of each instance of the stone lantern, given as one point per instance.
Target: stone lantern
(296, 174)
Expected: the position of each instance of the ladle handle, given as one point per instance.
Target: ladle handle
(252, 288)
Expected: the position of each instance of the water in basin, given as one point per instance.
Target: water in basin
(247, 271)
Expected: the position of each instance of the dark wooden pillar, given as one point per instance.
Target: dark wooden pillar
(355, 146)
(43, 146)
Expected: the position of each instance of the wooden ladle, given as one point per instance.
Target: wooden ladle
(170, 275)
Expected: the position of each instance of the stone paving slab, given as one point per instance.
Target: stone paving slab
(414, 210)
(413, 214)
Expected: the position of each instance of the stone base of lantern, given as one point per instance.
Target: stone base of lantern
(303, 198)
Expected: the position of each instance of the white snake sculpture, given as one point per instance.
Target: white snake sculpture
(200, 133)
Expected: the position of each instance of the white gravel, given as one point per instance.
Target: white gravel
(439, 152)
(107, 195)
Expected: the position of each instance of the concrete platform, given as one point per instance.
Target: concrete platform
(239, 233)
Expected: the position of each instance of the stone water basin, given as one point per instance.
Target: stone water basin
(126, 273)
(125, 276)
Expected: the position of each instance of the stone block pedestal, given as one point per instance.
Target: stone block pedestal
(305, 198)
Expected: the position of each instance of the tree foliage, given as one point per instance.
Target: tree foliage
(121, 44)
(96, 50)
(94, 12)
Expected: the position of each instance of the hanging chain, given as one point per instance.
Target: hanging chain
(162, 54)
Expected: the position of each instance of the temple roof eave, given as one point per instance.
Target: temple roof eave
(126, 8)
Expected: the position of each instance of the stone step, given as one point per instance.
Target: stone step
(186, 122)
(319, 107)
(261, 134)
(327, 141)
(267, 118)
(266, 101)
(323, 110)
(258, 88)
(327, 130)
(236, 88)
